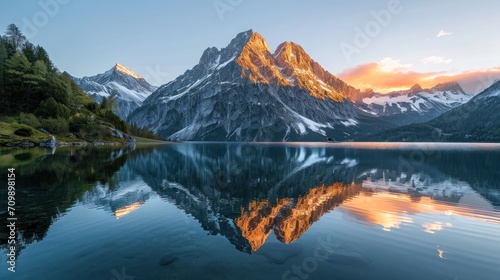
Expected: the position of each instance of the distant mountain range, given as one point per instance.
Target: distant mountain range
(475, 121)
(414, 105)
(127, 88)
(245, 92)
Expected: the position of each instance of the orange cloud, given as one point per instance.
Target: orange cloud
(377, 77)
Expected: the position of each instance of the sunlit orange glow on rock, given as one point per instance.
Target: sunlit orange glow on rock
(258, 64)
(290, 65)
(298, 67)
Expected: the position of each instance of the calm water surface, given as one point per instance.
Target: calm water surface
(256, 211)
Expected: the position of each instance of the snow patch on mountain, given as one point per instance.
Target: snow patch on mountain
(349, 122)
(127, 94)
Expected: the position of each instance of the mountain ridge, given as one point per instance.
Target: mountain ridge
(478, 120)
(415, 104)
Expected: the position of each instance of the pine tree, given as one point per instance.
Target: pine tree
(23, 82)
(41, 54)
(3, 57)
(14, 38)
(104, 103)
(29, 51)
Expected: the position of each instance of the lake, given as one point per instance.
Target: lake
(255, 211)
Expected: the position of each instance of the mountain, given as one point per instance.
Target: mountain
(475, 121)
(244, 92)
(127, 88)
(414, 105)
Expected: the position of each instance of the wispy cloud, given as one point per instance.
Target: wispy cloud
(389, 64)
(437, 60)
(443, 33)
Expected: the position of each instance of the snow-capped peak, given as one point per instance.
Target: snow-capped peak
(127, 88)
(127, 71)
(453, 87)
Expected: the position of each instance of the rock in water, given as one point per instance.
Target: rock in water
(50, 143)
(167, 260)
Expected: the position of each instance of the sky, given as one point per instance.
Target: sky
(380, 44)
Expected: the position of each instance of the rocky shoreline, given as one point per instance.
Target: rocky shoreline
(52, 142)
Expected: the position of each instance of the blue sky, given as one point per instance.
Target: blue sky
(161, 39)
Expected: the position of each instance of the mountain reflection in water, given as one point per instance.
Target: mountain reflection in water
(245, 192)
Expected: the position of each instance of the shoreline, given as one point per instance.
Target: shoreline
(155, 143)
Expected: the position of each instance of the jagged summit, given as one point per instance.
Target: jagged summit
(453, 87)
(127, 71)
(302, 71)
(242, 38)
(289, 65)
(248, 55)
(258, 64)
(416, 87)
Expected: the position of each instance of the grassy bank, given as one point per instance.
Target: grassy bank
(7, 134)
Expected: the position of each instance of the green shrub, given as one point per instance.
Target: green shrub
(78, 123)
(92, 107)
(55, 126)
(8, 119)
(29, 119)
(50, 108)
(87, 129)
